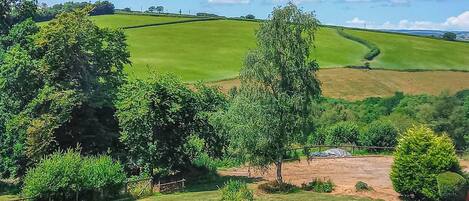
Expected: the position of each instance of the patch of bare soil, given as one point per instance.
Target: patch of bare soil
(344, 172)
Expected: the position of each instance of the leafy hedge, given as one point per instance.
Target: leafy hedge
(63, 176)
(451, 186)
(374, 49)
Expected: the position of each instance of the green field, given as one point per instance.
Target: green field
(214, 50)
(119, 21)
(402, 52)
(211, 50)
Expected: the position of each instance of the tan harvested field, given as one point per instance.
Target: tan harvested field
(344, 172)
(355, 84)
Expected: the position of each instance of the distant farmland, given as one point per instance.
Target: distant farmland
(214, 50)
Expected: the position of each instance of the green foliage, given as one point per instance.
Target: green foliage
(48, 13)
(276, 187)
(374, 49)
(342, 133)
(15, 11)
(449, 36)
(451, 186)
(319, 186)
(419, 157)
(156, 117)
(61, 176)
(236, 191)
(362, 186)
(379, 133)
(58, 87)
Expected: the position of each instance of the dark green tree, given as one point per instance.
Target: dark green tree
(156, 117)
(449, 36)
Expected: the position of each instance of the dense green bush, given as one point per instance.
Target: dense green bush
(420, 156)
(379, 133)
(342, 133)
(319, 186)
(362, 186)
(236, 191)
(451, 186)
(61, 176)
(275, 187)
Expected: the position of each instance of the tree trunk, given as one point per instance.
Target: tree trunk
(278, 165)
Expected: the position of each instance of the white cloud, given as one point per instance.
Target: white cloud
(460, 22)
(229, 1)
(356, 21)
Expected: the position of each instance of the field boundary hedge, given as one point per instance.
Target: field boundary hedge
(374, 49)
(168, 23)
(389, 32)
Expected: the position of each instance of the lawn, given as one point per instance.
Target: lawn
(402, 52)
(206, 188)
(215, 196)
(8, 197)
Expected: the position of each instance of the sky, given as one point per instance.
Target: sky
(376, 14)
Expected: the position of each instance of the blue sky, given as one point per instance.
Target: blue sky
(380, 14)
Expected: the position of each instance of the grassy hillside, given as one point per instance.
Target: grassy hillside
(214, 50)
(402, 52)
(211, 50)
(119, 21)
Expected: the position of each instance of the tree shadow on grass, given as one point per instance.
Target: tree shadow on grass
(213, 181)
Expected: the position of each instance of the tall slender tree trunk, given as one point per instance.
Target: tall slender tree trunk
(278, 166)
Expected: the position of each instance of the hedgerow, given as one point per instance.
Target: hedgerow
(374, 49)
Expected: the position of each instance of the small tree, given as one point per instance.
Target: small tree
(250, 16)
(278, 82)
(420, 156)
(159, 9)
(449, 36)
(152, 9)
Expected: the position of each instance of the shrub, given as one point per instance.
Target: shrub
(379, 133)
(342, 133)
(451, 186)
(275, 187)
(61, 176)
(236, 191)
(362, 186)
(319, 186)
(419, 157)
